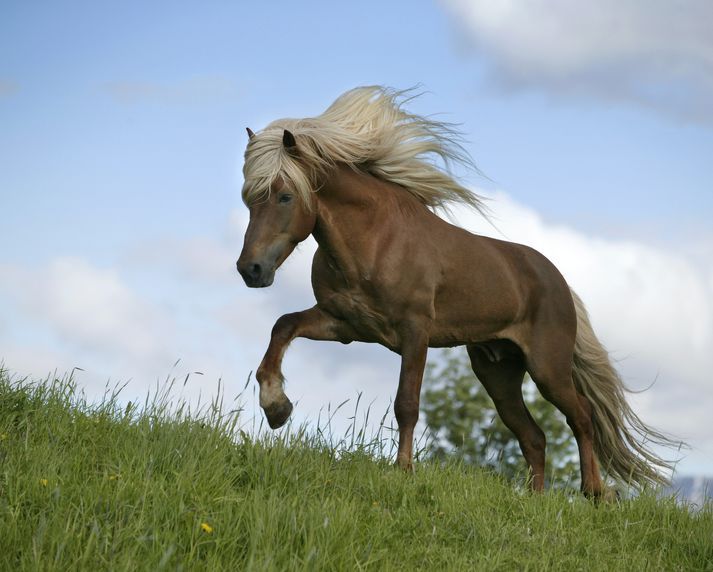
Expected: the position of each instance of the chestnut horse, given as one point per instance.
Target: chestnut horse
(364, 179)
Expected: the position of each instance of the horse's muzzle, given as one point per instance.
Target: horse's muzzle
(255, 275)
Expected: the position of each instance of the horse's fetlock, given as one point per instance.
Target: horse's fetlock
(271, 392)
(405, 463)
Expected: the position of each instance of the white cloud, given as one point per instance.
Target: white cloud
(90, 308)
(34, 361)
(198, 258)
(656, 53)
(73, 314)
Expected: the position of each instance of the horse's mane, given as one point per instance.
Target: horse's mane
(367, 129)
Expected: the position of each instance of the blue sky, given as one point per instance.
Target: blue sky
(121, 140)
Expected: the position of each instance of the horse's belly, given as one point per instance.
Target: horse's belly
(474, 315)
(450, 335)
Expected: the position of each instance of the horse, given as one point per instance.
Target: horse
(368, 179)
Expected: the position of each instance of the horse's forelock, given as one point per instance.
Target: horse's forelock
(364, 126)
(266, 160)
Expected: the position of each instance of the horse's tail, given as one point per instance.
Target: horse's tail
(619, 434)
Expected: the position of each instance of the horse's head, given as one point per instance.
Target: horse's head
(279, 220)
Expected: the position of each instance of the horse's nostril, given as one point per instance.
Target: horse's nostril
(255, 270)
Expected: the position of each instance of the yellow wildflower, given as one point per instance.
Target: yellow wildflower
(114, 477)
(207, 528)
(3, 436)
(44, 482)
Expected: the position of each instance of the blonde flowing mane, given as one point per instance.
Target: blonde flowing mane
(367, 129)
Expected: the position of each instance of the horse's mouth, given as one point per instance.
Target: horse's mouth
(260, 281)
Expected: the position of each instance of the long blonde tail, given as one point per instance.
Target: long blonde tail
(619, 434)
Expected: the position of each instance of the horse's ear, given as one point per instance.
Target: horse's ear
(250, 132)
(288, 140)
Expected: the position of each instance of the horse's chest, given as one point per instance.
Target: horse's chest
(363, 313)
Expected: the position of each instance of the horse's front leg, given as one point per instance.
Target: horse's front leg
(413, 361)
(314, 324)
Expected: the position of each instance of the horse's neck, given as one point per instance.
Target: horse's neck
(355, 213)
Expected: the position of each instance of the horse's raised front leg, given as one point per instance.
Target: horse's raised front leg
(314, 324)
(413, 361)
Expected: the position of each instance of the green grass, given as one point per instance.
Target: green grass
(100, 487)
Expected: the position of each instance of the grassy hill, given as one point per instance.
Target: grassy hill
(99, 487)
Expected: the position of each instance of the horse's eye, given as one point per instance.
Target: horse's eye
(284, 198)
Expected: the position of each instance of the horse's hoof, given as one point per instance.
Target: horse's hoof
(609, 495)
(405, 465)
(605, 496)
(278, 413)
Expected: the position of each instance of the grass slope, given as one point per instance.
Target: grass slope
(97, 487)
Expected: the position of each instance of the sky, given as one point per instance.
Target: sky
(122, 130)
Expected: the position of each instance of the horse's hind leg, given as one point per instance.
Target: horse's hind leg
(503, 382)
(550, 366)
